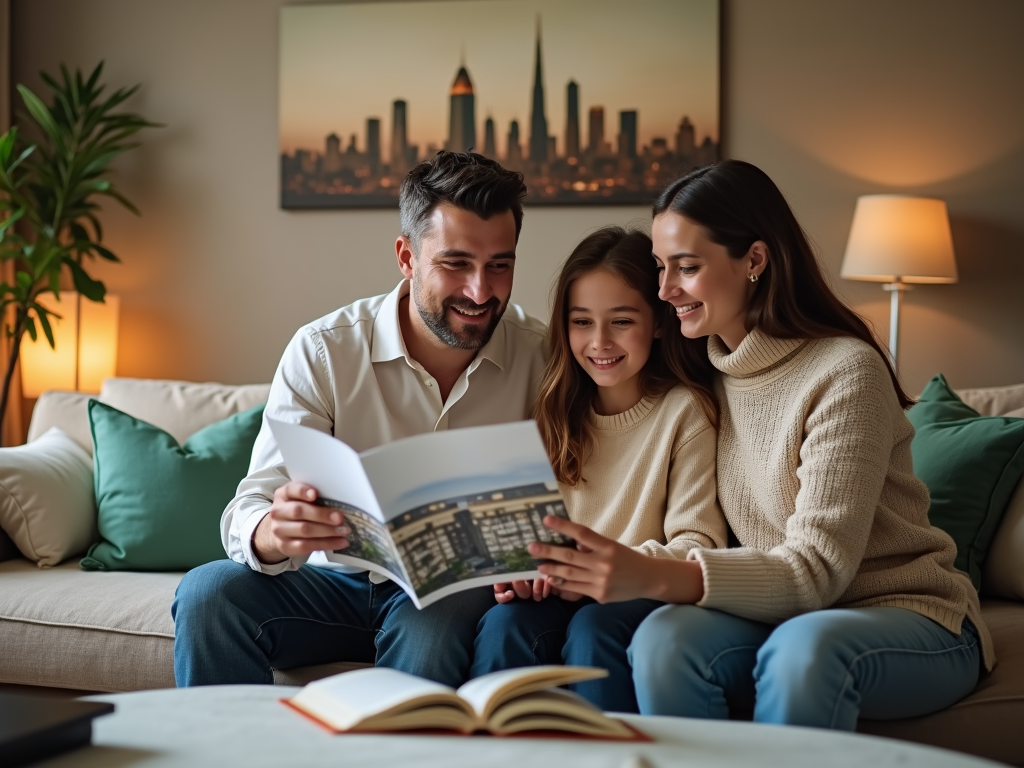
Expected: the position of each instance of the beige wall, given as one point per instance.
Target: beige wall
(832, 99)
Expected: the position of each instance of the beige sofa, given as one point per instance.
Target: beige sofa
(67, 628)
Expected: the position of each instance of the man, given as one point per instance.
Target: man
(444, 350)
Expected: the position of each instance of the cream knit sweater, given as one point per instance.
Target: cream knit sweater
(649, 482)
(816, 479)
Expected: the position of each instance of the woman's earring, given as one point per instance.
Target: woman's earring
(752, 277)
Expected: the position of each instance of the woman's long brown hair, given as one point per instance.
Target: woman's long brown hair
(567, 391)
(738, 204)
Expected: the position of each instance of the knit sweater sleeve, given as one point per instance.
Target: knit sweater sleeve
(849, 423)
(693, 517)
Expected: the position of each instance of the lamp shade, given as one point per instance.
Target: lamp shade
(894, 237)
(93, 358)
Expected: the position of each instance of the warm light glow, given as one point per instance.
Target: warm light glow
(894, 237)
(43, 368)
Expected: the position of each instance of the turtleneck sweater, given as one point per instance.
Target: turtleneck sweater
(816, 479)
(649, 482)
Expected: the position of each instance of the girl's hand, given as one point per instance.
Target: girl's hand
(506, 593)
(610, 572)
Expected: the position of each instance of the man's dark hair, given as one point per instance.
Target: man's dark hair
(464, 179)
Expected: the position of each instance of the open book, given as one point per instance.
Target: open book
(512, 701)
(439, 512)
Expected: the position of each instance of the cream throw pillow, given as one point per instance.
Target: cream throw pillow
(47, 504)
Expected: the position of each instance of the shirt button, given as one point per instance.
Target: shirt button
(430, 383)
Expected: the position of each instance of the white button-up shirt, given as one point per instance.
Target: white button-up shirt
(349, 374)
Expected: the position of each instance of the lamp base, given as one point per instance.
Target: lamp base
(896, 290)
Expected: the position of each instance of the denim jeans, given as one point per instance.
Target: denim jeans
(524, 632)
(824, 668)
(234, 625)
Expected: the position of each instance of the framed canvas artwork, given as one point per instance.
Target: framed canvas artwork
(594, 101)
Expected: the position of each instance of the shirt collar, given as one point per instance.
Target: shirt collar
(387, 342)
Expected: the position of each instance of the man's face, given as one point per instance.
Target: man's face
(462, 274)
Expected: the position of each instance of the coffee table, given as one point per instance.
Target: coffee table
(221, 726)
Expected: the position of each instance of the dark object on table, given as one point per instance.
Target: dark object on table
(33, 728)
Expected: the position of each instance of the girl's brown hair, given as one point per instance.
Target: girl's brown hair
(567, 392)
(738, 204)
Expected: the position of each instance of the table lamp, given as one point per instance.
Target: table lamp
(896, 240)
(86, 346)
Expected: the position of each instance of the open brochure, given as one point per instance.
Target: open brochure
(512, 701)
(439, 512)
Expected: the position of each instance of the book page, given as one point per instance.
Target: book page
(554, 709)
(488, 692)
(463, 505)
(336, 471)
(380, 699)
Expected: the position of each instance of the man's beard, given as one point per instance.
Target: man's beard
(470, 336)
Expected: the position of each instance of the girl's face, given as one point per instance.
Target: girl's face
(709, 289)
(611, 329)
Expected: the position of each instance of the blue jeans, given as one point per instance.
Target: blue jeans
(824, 669)
(234, 625)
(524, 632)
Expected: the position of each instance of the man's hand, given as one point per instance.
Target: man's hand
(506, 593)
(296, 526)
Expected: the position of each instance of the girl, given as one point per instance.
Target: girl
(841, 601)
(633, 449)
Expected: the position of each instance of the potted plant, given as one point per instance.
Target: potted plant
(48, 198)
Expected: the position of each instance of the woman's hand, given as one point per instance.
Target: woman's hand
(610, 572)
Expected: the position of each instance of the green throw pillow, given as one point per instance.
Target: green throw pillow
(159, 503)
(970, 464)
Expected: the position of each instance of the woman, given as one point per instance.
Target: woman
(841, 601)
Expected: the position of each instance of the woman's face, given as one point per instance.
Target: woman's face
(611, 329)
(709, 289)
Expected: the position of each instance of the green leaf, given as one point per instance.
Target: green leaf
(94, 290)
(47, 330)
(40, 113)
(123, 200)
(78, 231)
(105, 253)
(30, 327)
(14, 217)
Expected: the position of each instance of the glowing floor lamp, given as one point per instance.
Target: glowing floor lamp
(86, 346)
(898, 240)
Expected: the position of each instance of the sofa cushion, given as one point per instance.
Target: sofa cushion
(1003, 573)
(994, 401)
(160, 503)
(46, 499)
(181, 408)
(68, 628)
(971, 465)
(66, 410)
(178, 407)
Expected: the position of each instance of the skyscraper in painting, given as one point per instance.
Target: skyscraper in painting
(373, 144)
(490, 145)
(399, 140)
(538, 119)
(572, 120)
(462, 114)
(627, 133)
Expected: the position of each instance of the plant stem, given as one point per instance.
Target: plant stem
(19, 332)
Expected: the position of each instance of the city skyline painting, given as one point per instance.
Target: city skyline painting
(594, 101)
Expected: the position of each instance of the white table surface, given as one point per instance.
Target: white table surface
(223, 726)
